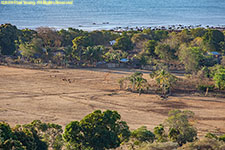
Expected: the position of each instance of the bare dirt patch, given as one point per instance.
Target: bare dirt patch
(63, 95)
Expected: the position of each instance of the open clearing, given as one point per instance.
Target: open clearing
(62, 95)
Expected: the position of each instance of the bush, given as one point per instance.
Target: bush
(213, 70)
(160, 133)
(203, 88)
(222, 138)
(211, 136)
(143, 135)
(219, 79)
(203, 144)
(158, 146)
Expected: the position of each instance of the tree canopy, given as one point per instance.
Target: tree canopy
(8, 38)
(97, 131)
(123, 43)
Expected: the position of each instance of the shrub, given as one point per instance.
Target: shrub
(203, 88)
(219, 79)
(203, 144)
(158, 146)
(160, 133)
(213, 70)
(222, 138)
(143, 135)
(211, 136)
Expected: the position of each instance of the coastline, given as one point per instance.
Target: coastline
(117, 28)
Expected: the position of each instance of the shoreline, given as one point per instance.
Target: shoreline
(108, 27)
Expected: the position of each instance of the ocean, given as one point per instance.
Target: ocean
(108, 14)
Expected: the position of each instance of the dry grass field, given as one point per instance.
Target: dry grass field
(62, 95)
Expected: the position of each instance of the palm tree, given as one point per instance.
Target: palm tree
(140, 84)
(165, 81)
(93, 54)
(137, 82)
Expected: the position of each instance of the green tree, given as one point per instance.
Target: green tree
(114, 55)
(67, 36)
(123, 43)
(137, 82)
(97, 131)
(79, 45)
(219, 78)
(149, 48)
(165, 52)
(160, 35)
(93, 54)
(191, 57)
(32, 49)
(97, 37)
(213, 38)
(48, 132)
(140, 84)
(198, 32)
(20, 138)
(180, 129)
(7, 139)
(26, 35)
(165, 81)
(184, 36)
(8, 36)
(29, 137)
(139, 37)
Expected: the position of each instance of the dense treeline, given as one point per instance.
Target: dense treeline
(104, 130)
(72, 46)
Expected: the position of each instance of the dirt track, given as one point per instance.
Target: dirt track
(60, 96)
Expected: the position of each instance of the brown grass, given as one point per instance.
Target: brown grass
(62, 95)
